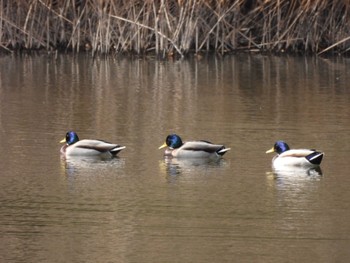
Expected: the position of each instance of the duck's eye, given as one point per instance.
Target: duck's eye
(168, 141)
(67, 136)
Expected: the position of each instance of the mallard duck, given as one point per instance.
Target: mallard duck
(294, 157)
(75, 147)
(192, 149)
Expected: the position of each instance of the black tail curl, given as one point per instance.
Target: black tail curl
(315, 158)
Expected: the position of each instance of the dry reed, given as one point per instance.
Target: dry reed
(175, 27)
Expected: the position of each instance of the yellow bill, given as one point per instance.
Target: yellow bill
(63, 141)
(164, 145)
(271, 150)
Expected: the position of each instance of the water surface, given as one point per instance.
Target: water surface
(141, 207)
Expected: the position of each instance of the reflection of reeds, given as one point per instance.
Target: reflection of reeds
(170, 27)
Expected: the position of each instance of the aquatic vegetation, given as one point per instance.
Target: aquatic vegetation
(175, 27)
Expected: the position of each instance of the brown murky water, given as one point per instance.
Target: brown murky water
(142, 208)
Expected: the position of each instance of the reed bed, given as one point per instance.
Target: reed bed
(175, 27)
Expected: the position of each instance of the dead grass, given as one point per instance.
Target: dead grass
(175, 27)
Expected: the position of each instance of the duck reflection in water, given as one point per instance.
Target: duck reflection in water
(290, 182)
(300, 172)
(92, 165)
(176, 166)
